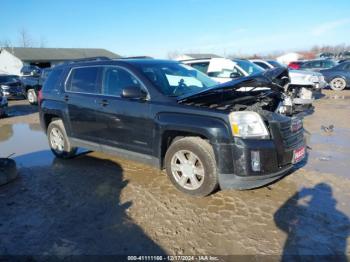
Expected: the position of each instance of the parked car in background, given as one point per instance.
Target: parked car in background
(318, 64)
(314, 80)
(30, 70)
(33, 84)
(174, 117)
(338, 76)
(295, 65)
(326, 55)
(3, 105)
(11, 86)
(267, 64)
(302, 83)
(221, 70)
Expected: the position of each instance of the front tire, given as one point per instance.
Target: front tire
(191, 166)
(338, 84)
(32, 97)
(58, 140)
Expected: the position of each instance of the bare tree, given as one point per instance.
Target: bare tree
(5, 43)
(25, 39)
(43, 42)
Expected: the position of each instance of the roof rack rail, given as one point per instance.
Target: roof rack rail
(137, 57)
(194, 59)
(87, 59)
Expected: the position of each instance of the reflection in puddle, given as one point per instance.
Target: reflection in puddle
(27, 142)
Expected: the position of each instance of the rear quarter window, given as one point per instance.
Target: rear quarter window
(53, 80)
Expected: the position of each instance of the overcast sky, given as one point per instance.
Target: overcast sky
(156, 27)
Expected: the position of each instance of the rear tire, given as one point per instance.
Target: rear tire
(32, 97)
(191, 166)
(58, 140)
(338, 84)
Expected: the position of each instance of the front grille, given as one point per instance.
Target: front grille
(15, 90)
(286, 139)
(291, 139)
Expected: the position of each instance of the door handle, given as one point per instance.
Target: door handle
(104, 102)
(66, 98)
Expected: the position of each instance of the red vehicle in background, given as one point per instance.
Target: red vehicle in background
(295, 65)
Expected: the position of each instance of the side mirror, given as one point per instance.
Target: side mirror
(234, 75)
(134, 92)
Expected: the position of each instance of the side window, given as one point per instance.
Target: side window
(52, 81)
(115, 79)
(315, 64)
(262, 65)
(203, 67)
(327, 64)
(84, 80)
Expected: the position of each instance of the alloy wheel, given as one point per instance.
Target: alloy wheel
(187, 169)
(57, 140)
(338, 84)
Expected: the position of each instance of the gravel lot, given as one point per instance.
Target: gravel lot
(98, 204)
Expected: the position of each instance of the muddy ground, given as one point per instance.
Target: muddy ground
(99, 204)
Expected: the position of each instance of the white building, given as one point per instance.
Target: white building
(13, 59)
(9, 64)
(289, 57)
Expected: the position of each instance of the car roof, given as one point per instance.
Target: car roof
(116, 62)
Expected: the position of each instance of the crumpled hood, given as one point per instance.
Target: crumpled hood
(274, 78)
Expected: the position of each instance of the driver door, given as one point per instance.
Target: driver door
(127, 123)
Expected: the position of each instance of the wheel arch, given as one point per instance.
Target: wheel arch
(174, 126)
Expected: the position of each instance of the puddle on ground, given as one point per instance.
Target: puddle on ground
(329, 153)
(27, 143)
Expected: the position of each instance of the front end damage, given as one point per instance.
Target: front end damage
(302, 87)
(250, 162)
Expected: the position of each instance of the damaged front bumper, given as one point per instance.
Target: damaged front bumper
(252, 163)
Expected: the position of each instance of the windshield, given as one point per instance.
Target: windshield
(5, 79)
(249, 67)
(175, 79)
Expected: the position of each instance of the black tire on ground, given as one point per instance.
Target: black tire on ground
(338, 84)
(204, 151)
(8, 170)
(67, 151)
(32, 97)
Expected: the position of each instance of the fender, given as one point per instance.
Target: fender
(216, 130)
(338, 76)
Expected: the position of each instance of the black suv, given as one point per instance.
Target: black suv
(33, 84)
(172, 116)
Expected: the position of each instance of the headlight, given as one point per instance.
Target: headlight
(247, 124)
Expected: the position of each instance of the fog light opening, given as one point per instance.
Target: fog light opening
(255, 158)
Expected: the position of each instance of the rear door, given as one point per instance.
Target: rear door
(127, 123)
(82, 88)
